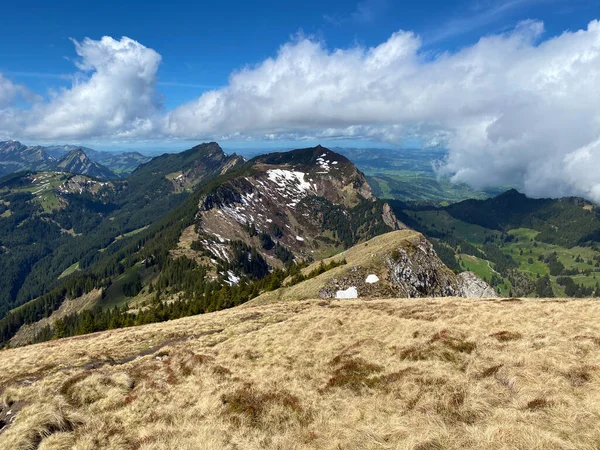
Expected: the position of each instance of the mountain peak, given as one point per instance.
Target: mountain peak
(208, 148)
(310, 156)
(512, 193)
(77, 161)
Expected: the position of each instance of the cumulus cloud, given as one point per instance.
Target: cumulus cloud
(11, 92)
(512, 108)
(113, 94)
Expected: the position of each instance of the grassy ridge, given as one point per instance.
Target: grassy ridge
(415, 374)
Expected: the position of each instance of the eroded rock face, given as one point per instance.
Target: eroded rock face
(474, 287)
(415, 270)
(411, 269)
(296, 204)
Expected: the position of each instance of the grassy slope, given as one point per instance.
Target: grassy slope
(411, 374)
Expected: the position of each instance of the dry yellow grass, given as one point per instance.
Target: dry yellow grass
(419, 374)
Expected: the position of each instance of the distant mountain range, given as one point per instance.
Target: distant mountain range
(16, 157)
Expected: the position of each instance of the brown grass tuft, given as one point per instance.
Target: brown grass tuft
(36, 423)
(443, 346)
(537, 404)
(578, 376)
(429, 445)
(490, 371)
(505, 336)
(352, 373)
(252, 406)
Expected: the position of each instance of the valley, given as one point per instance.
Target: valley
(521, 246)
(409, 175)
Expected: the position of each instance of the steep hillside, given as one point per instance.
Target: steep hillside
(565, 221)
(188, 169)
(303, 204)
(398, 264)
(409, 374)
(76, 161)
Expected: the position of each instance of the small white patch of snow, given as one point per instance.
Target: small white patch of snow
(351, 292)
(232, 278)
(300, 238)
(270, 220)
(372, 279)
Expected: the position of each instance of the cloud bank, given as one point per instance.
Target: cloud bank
(511, 109)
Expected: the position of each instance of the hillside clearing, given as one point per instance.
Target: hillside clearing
(439, 373)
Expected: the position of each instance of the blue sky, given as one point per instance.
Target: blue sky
(203, 42)
(509, 88)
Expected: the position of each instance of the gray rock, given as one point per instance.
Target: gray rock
(472, 286)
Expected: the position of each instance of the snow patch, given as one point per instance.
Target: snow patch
(372, 279)
(232, 278)
(323, 164)
(285, 178)
(351, 292)
(300, 238)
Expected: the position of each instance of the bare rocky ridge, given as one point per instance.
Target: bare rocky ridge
(474, 287)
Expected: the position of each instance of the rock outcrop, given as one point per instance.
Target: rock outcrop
(474, 287)
(400, 264)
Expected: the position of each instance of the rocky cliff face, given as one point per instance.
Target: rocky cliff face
(302, 204)
(472, 286)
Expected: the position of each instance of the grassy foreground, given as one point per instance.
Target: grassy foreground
(396, 374)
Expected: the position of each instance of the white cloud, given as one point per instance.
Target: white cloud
(113, 95)
(10, 92)
(511, 109)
